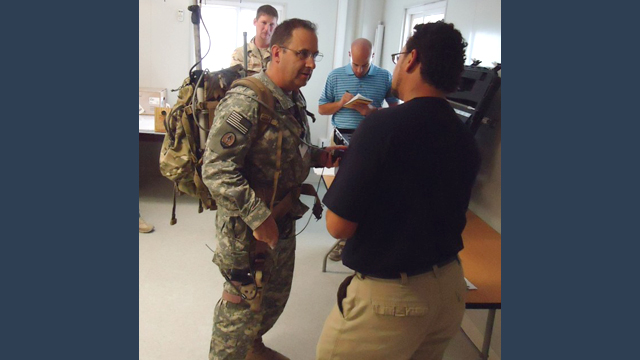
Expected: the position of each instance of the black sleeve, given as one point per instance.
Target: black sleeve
(351, 191)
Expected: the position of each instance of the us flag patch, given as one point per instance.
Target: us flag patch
(239, 122)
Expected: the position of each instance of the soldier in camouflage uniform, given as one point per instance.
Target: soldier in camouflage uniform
(258, 51)
(239, 166)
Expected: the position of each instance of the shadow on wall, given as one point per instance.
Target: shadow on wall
(486, 196)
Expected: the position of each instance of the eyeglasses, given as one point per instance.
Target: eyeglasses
(394, 57)
(305, 54)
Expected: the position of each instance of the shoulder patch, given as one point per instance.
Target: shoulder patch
(227, 140)
(239, 122)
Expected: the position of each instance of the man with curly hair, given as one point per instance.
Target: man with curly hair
(400, 199)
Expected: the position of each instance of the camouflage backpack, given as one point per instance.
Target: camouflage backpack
(181, 153)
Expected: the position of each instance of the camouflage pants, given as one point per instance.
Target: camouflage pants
(235, 326)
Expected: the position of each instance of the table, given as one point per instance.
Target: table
(146, 125)
(481, 260)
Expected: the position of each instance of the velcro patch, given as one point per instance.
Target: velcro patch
(227, 140)
(239, 122)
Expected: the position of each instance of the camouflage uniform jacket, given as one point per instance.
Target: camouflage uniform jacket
(235, 165)
(257, 59)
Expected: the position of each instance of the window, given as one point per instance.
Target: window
(421, 14)
(225, 22)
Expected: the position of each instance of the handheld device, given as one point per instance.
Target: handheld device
(337, 154)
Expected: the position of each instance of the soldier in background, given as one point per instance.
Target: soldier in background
(258, 49)
(239, 169)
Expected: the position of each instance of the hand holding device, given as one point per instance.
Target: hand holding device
(337, 154)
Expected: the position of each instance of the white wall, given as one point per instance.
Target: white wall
(361, 20)
(165, 45)
(479, 21)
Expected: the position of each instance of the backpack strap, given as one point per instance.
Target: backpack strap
(266, 116)
(266, 112)
(309, 113)
(174, 220)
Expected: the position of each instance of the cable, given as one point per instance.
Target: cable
(208, 37)
(311, 214)
(167, 122)
(228, 279)
(194, 97)
(317, 188)
(283, 122)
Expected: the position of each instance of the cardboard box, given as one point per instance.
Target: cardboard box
(159, 116)
(151, 98)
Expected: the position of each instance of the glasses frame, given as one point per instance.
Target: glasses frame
(301, 57)
(396, 56)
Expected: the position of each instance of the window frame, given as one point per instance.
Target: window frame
(428, 9)
(238, 5)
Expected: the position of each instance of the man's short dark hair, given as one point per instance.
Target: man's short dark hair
(441, 51)
(282, 34)
(267, 10)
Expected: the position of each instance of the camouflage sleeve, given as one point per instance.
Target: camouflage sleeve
(237, 57)
(229, 141)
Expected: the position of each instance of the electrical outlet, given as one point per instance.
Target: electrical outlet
(180, 15)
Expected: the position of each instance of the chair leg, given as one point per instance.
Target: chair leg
(324, 262)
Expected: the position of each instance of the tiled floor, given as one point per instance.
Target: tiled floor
(179, 285)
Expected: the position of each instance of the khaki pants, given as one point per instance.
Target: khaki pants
(409, 318)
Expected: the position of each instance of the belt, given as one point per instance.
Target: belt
(424, 270)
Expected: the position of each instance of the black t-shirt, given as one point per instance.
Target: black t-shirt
(406, 179)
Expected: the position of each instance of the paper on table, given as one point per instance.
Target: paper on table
(324, 171)
(358, 99)
(470, 286)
